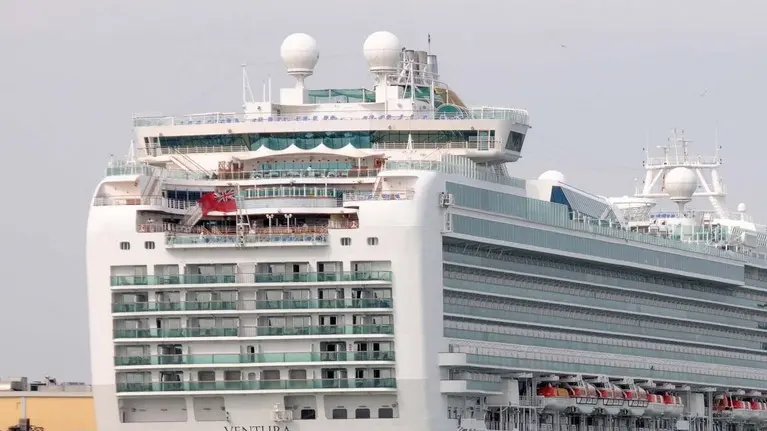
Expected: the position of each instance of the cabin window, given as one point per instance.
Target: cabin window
(385, 413)
(362, 413)
(339, 413)
(124, 245)
(345, 241)
(149, 245)
(308, 414)
(372, 240)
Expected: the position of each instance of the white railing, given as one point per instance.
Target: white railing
(390, 195)
(101, 201)
(519, 116)
(463, 145)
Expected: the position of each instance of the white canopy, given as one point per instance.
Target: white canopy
(347, 151)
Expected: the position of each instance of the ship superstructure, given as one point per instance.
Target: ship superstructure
(348, 258)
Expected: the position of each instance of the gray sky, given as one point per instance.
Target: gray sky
(74, 71)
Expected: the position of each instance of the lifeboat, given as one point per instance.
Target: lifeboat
(611, 398)
(727, 406)
(758, 413)
(672, 405)
(553, 398)
(655, 406)
(636, 400)
(579, 397)
(583, 397)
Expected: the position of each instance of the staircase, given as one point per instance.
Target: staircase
(192, 216)
(150, 191)
(187, 163)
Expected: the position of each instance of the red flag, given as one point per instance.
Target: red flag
(224, 202)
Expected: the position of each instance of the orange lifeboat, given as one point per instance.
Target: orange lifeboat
(727, 406)
(611, 398)
(583, 397)
(580, 396)
(673, 405)
(636, 399)
(655, 405)
(552, 397)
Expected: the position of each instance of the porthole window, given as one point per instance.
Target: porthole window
(346, 241)
(149, 245)
(124, 245)
(372, 240)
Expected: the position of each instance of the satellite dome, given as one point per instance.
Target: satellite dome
(741, 207)
(680, 184)
(300, 54)
(382, 51)
(556, 176)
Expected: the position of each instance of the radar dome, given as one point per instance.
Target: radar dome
(382, 51)
(741, 207)
(555, 176)
(300, 54)
(680, 184)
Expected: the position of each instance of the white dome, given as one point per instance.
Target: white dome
(680, 184)
(555, 176)
(382, 51)
(741, 207)
(299, 53)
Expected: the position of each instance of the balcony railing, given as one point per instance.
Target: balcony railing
(253, 331)
(250, 278)
(255, 385)
(254, 358)
(243, 304)
(180, 240)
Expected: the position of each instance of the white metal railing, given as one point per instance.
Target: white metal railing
(519, 116)
(388, 195)
(487, 145)
(101, 201)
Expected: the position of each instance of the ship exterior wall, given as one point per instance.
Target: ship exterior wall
(516, 303)
(409, 235)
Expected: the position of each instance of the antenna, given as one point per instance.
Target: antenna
(270, 88)
(428, 43)
(246, 91)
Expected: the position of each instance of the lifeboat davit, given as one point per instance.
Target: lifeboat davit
(672, 405)
(611, 398)
(636, 400)
(580, 397)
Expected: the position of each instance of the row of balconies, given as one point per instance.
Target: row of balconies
(254, 331)
(290, 304)
(286, 277)
(256, 385)
(255, 358)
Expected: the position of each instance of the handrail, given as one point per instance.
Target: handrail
(518, 116)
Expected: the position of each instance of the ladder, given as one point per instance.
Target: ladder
(243, 221)
(187, 163)
(192, 216)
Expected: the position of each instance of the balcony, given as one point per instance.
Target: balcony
(255, 358)
(176, 333)
(292, 277)
(325, 330)
(259, 385)
(291, 304)
(181, 240)
(252, 331)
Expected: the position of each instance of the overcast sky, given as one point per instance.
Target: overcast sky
(74, 71)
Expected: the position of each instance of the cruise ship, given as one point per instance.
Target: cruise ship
(347, 258)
